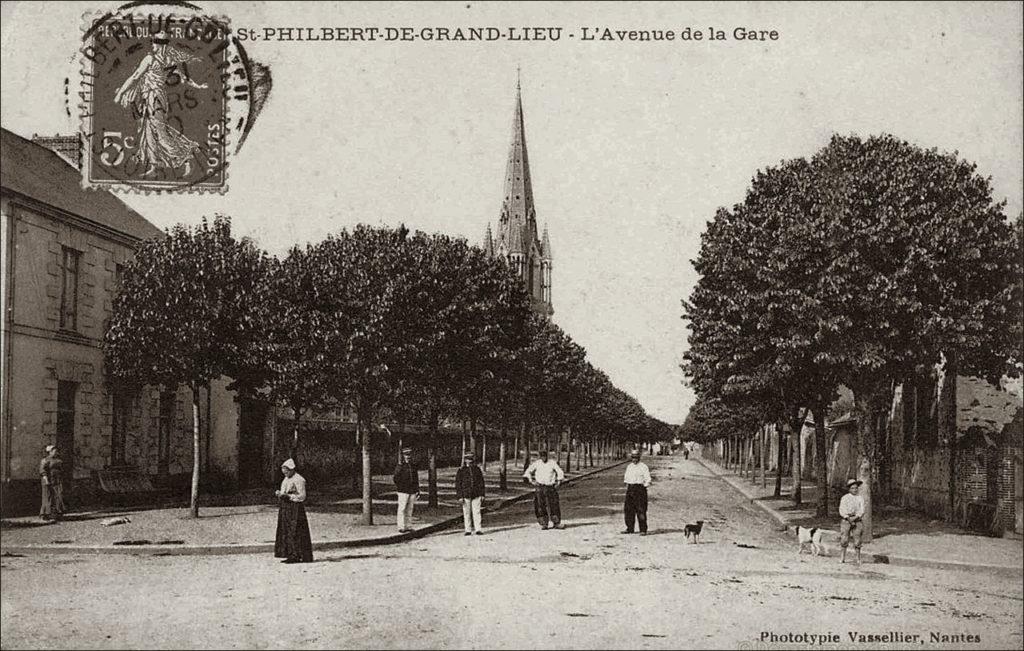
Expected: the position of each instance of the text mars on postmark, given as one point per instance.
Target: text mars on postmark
(155, 91)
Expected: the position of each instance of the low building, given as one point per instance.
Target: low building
(63, 250)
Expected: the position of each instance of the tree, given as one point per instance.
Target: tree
(872, 259)
(187, 314)
(920, 268)
(297, 328)
(474, 316)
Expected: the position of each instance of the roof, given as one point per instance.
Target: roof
(488, 241)
(34, 171)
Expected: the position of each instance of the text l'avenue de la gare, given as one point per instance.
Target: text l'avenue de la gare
(593, 34)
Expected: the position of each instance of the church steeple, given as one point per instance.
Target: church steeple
(517, 237)
(517, 206)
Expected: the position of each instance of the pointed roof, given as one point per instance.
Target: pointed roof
(517, 205)
(515, 241)
(545, 245)
(489, 241)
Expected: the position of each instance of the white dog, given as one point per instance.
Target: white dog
(812, 537)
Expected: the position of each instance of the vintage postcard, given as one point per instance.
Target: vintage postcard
(525, 325)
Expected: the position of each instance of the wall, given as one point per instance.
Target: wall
(981, 443)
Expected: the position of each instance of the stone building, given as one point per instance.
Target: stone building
(518, 239)
(63, 250)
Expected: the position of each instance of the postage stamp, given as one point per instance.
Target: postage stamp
(154, 98)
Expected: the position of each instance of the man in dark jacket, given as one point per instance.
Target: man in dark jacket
(469, 489)
(407, 485)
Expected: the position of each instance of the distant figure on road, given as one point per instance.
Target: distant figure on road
(637, 479)
(686, 452)
(52, 505)
(407, 484)
(470, 490)
(293, 542)
(545, 476)
(851, 510)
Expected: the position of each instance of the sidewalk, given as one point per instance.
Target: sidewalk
(334, 522)
(902, 537)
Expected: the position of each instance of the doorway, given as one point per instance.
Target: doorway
(65, 439)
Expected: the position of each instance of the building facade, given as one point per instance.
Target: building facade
(518, 239)
(63, 251)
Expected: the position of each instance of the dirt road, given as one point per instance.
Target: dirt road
(587, 586)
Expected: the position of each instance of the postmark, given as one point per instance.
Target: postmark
(156, 92)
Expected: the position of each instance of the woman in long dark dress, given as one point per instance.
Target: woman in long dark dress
(293, 542)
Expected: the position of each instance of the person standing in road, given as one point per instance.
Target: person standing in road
(470, 490)
(407, 485)
(52, 503)
(851, 510)
(637, 480)
(293, 542)
(545, 476)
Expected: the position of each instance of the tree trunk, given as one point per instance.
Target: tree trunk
(364, 439)
(472, 436)
(432, 463)
(526, 444)
(516, 455)
(866, 403)
(821, 460)
(764, 457)
(483, 447)
(752, 459)
(781, 452)
(503, 458)
(797, 484)
(294, 452)
(194, 499)
(568, 449)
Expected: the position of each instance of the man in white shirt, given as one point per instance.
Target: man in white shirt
(851, 510)
(545, 476)
(637, 479)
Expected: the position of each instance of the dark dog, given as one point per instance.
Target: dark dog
(694, 530)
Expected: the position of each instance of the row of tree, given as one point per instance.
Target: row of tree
(858, 267)
(422, 327)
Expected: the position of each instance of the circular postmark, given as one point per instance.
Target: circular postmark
(157, 88)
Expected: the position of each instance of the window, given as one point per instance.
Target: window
(163, 445)
(119, 427)
(69, 289)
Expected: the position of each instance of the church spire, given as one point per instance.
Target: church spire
(517, 237)
(517, 209)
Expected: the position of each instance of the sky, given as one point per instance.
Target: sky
(632, 145)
